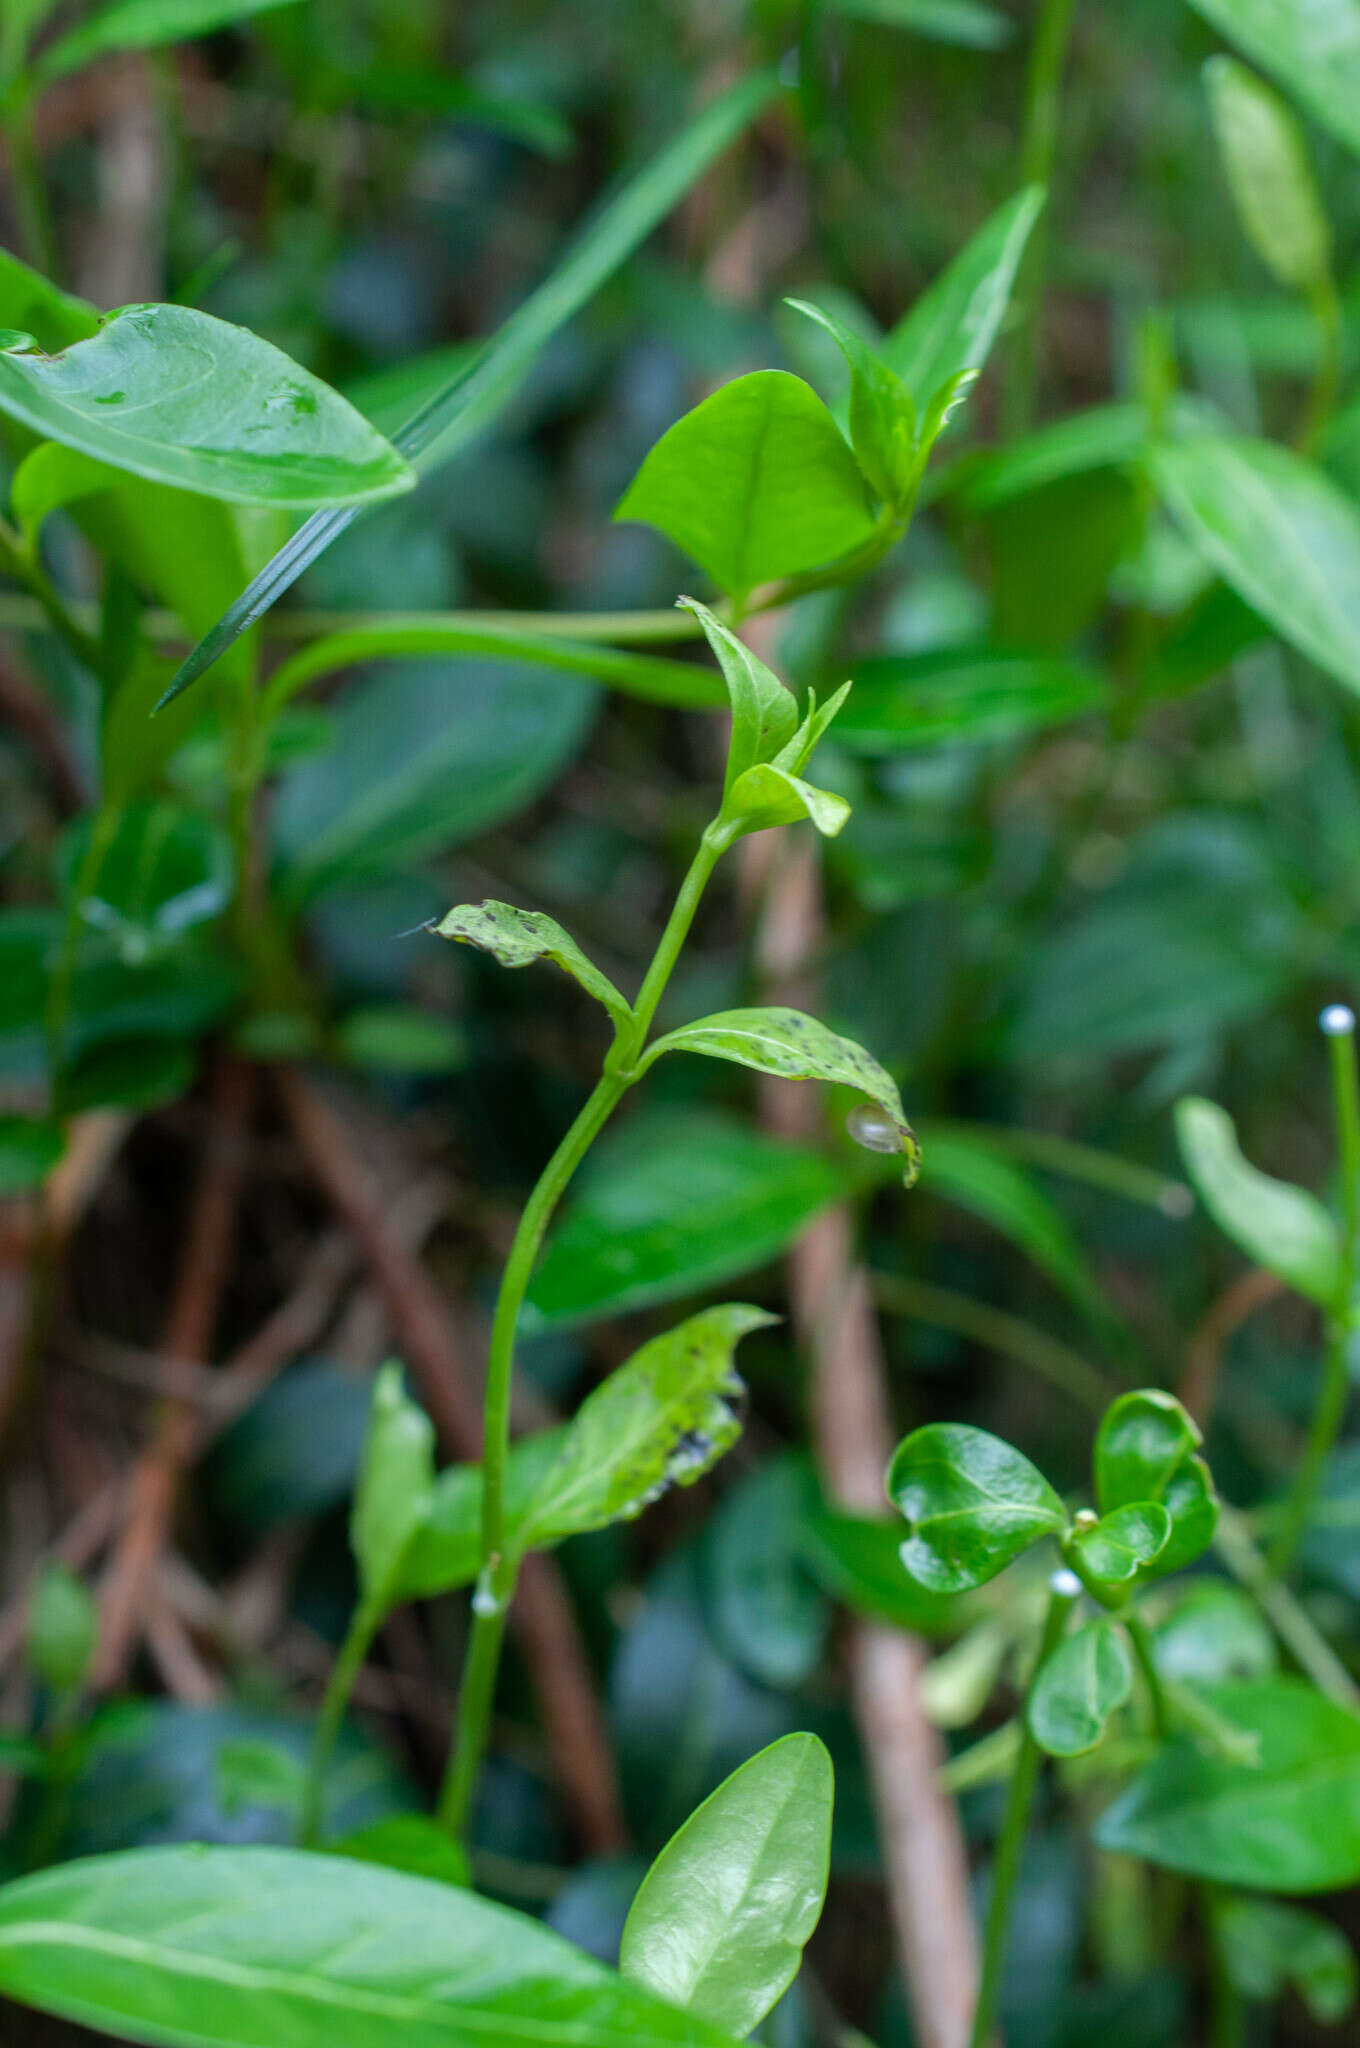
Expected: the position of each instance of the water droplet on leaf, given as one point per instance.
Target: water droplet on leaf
(873, 1128)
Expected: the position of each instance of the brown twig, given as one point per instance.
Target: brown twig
(1204, 1353)
(188, 1335)
(543, 1616)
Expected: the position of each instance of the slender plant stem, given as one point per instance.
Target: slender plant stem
(363, 1627)
(1152, 1678)
(1064, 1591)
(476, 1696)
(1038, 149)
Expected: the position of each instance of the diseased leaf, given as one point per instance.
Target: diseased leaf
(518, 937)
(1088, 1676)
(722, 1917)
(953, 324)
(1122, 1543)
(1278, 1226)
(971, 1504)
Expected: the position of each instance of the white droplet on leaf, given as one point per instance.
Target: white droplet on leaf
(484, 1599)
(1065, 1585)
(1337, 1021)
(873, 1128)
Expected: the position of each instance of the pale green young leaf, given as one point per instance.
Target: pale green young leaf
(178, 397)
(721, 1919)
(766, 795)
(764, 712)
(971, 1503)
(1081, 1684)
(795, 756)
(953, 324)
(518, 937)
(798, 1048)
(1265, 161)
(1122, 1543)
(194, 1947)
(396, 1483)
(882, 414)
(1265, 1947)
(662, 1419)
(142, 25)
(1310, 47)
(1278, 1226)
(755, 484)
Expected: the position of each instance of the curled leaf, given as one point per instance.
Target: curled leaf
(518, 937)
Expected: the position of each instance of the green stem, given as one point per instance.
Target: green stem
(1038, 150)
(1327, 378)
(344, 1674)
(1064, 1591)
(1152, 1677)
(57, 1010)
(476, 1696)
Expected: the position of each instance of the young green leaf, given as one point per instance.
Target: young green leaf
(953, 324)
(755, 484)
(882, 414)
(1265, 1947)
(971, 1502)
(445, 1551)
(1311, 47)
(162, 871)
(1121, 1544)
(176, 396)
(859, 1562)
(193, 1947)
(1287, 1822)
(721, 1919)
(660, 1420)
(1278, 1226)
(1192, 1504)
(1265, 160)
(63, 1625)
(1143, 1439)
(1088, 1676)
(518, 937)
(767, 795)
(764, 712)
(409, 1842)
(396, 1482)
(787, 1043)
(1279, 531)
(141, 25)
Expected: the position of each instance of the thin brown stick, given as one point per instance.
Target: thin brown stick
(1204, 1353)
(188, 1335)
(543, 1616)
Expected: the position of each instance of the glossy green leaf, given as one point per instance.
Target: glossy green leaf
(63, 1624)
(1142, 1440)
(409, 1842)
(1121, 1543)
(1080, 1685)
(767, 795)
(953, 324)
(178, 397)
(1290, 1822)
(142, 25)
(396, 1483)
(518, 937)
(31, 304)
(662, 1419)
(162, 871)
(448, 421)
(972, 24)
(756, 483)
(764, 712)
(1265, 160)
(722, 1917)
(971, 1504)
(787, 1043)
(673, 1202)
(905, 701)
(1311, 47)
(1278, 1226)
(247, 1948)
(1280, 532)
(1265, 1947)
(1192, 1504)
(859, 1562)
(29, 1148)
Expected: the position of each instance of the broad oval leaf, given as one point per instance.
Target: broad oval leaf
(1280, 532)
(953, 324)
(1271, 180)
(756, 483)
(799, 1048)
(662, 1419)
(247, 1948)
(972, 1503)
(142, 25)
(1290, 1822)
(1143, 1439)
(1278, 1226)
(518, 937)
(161, 871)
(1312, 47)
(721, 1919)
(178, 397)
(1087, 1677)
(1122, 1543)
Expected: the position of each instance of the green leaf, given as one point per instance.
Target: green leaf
(396, 1483)
(722, 1917)
(31, 304)
(409, 1842)
(1088, 1676)
(63, 1624)
(451, 419)
(787, 1043)
(1122, 1543)
(255, 1773)
(755, 484)
(1280, 532)
(971, 1503)
(193, 1947)
(518, 937)
(859, 1562)
(662, 1419)
(1265, 160)
(445, 1551)
(764, 712)
(1143, 1439)
(1290, 1822)
(882, 413)
(970, 23)
(766, 796)
(1192, 1504)
(953, 324)
(1265, 1948)
(424, 757)
(1278, 1226)
(175, 396)
(397, 1038)
(142, 25)
(29, 1148)
(766, 1611)
(1311, 47)
(162, 871)
(673, 1202)
(904, 701)
(1214, 1633)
